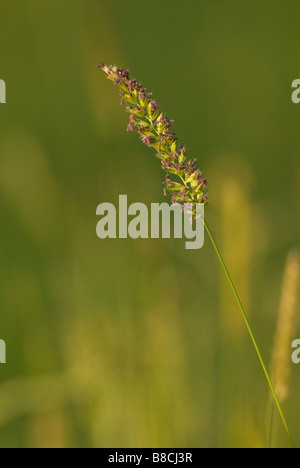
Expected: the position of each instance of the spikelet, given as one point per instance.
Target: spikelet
(281, 356)
(153, 127)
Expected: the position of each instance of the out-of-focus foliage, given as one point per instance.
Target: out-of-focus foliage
(126, 343)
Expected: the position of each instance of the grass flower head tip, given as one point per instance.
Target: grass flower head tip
(153, 127)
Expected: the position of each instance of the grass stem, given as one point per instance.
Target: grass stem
(251, 335)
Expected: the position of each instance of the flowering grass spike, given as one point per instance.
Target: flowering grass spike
(152, 125)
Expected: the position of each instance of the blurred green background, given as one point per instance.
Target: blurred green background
(138, 343)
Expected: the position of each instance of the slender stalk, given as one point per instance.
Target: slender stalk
(251, 334)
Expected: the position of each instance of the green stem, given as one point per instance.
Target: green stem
(251, 334)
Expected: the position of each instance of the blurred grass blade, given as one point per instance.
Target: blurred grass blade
(280, 359)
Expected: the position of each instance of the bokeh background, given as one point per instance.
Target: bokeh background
(138, 343)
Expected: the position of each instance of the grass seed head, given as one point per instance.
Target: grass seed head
(147, 119)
